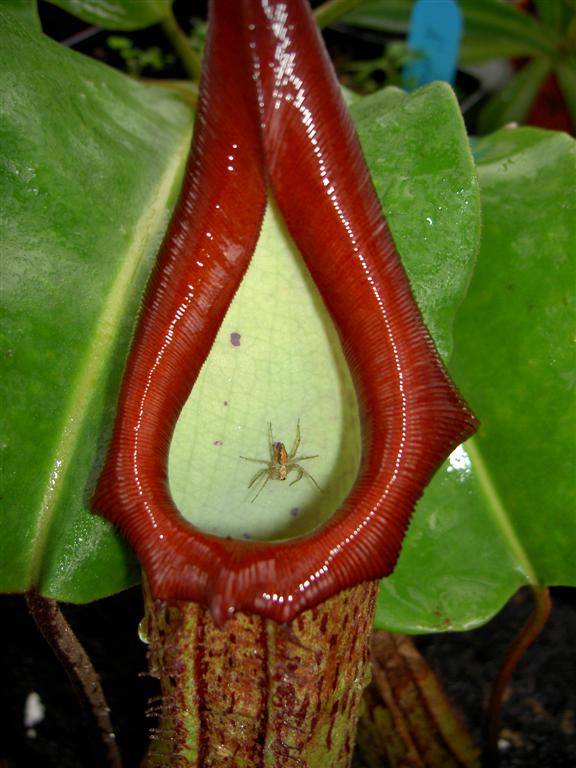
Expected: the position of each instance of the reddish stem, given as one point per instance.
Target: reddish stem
(516, 650)
(67, 648)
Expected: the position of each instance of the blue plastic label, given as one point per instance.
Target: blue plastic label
(435, 31)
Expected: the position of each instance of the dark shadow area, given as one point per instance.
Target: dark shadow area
(539, 717)
(108, 630)
(539, 710)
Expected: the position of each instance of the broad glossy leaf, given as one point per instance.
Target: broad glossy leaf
(526, 387)
(117, 14)
(501, 512)
(90, 163)
(25, 12)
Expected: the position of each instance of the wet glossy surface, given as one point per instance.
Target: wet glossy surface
(411, 415)
(74, 265)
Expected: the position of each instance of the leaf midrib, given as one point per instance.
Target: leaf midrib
(498, 510)
(98, 354)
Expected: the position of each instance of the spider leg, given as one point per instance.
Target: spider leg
(303, 458)
(303, 473)
(262, 486)
(308, 475)
(296, 468)
(296, 442)
(258, 461)
(257, 476)
(270, 441)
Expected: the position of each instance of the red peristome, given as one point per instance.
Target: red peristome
(268, 96)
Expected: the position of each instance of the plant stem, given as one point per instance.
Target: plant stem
(255, 692)
(408, 719)
(180, 43)
(529, 632)
(59, 634)
(332, 10)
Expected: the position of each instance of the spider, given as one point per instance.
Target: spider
(281, 463)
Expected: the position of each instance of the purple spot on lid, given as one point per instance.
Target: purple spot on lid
(217, 442)
(295, 511)
(235, 339)
(225, 402)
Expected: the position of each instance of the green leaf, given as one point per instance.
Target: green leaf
(527, 269)
(498, 20)
(513, 102)
(289, 366)
(566, 74)
(117, 14)
(556, 14)
(389, 16)
(90, 163)
(418, 155)
(332, 10)
(25, 12)
(501, 511)
(476, 50)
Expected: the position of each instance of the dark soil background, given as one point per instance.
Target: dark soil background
(539, 713)
(539, 722)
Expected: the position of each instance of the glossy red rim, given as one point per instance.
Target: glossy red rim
(271, 117)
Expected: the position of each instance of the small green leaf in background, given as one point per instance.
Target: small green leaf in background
(500, 24)
(390, 16)
(90, 162)
(555, 13)
(566, 74)
(117, 14)
(513, 102)
(501, 511)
